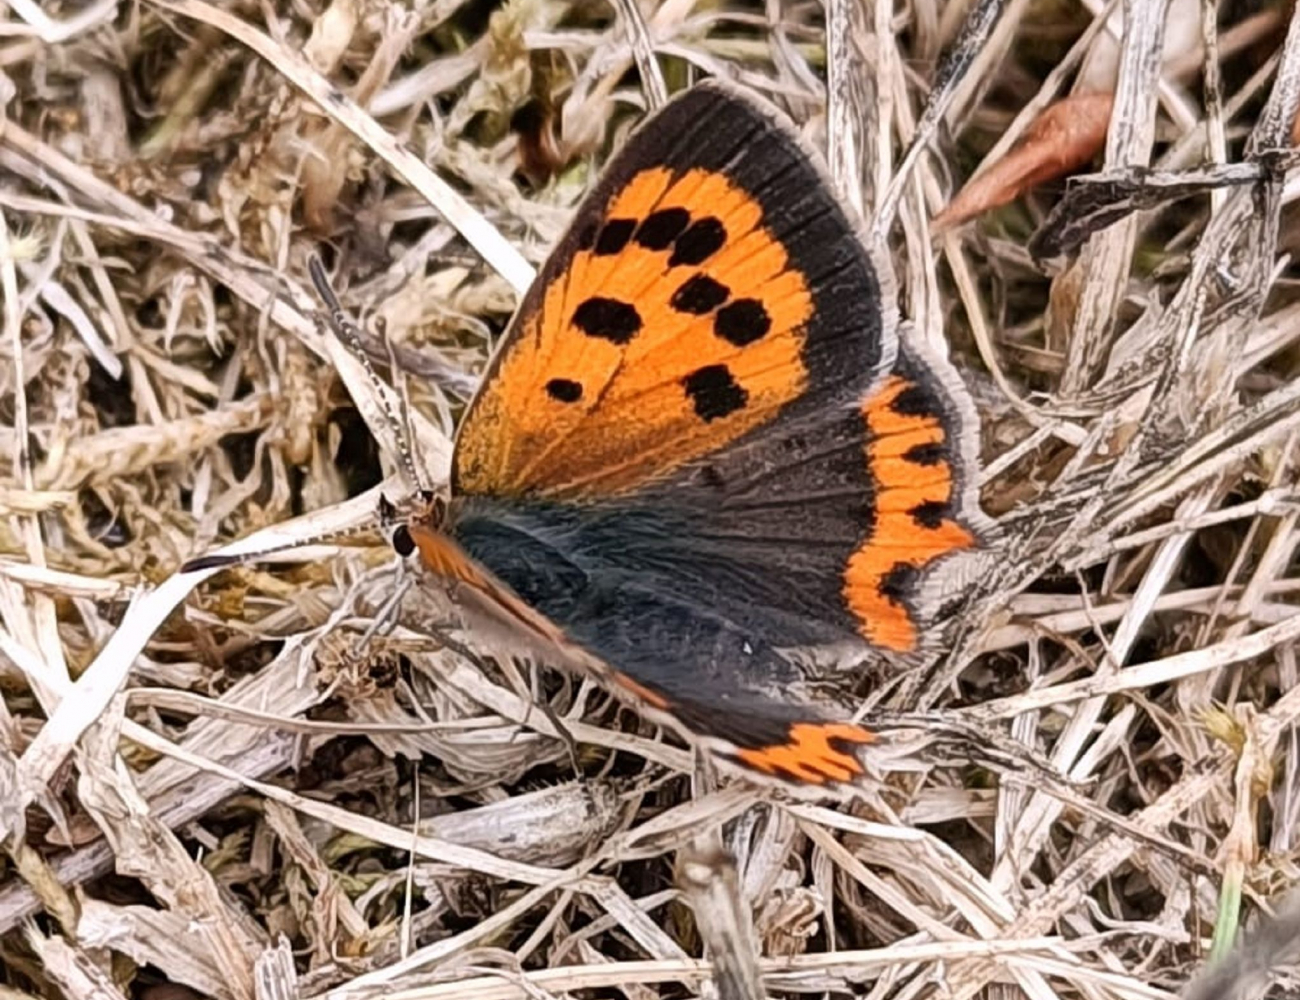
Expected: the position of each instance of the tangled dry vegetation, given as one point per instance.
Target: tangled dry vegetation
(247, 789)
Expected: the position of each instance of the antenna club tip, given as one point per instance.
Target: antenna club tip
(208, 562)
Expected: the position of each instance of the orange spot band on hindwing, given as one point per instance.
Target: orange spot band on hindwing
(810, 756)
(914, 485)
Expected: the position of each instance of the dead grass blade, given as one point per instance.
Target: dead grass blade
(301, 776)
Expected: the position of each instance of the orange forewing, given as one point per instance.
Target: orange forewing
(691, 354)
(907, 486)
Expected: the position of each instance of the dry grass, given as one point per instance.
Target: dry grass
(214, 792)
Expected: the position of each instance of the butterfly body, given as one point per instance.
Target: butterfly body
(701, 442)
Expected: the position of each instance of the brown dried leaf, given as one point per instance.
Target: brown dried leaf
(1063, 138)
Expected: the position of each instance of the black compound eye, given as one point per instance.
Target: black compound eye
(401, 540)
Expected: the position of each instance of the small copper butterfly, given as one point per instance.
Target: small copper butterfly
(702, 443)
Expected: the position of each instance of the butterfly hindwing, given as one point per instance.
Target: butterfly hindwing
(926, 534)
(820, 527)
(636, 605)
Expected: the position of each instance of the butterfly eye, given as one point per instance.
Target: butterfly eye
(402, 542)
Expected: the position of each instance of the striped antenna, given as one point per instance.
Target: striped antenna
(349, 335)
(222, 560)
(388, 518)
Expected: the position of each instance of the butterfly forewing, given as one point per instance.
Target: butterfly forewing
(693, 301)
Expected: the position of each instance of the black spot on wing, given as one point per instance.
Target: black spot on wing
(712, 479)
(930, 514)
(714, 392)
(900, 582)
(699, 295)
(914, 401)
(613, 236)
(608, 319)
(699, 242)
(661, 228)
(926, 454)
(564, 390)
(742, 322)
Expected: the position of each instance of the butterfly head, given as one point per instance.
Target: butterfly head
(425, 512)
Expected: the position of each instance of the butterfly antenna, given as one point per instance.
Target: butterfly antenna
(220, 560)
(350, 334)
(404, 412)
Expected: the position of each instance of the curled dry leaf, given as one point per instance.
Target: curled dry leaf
(1063, 138)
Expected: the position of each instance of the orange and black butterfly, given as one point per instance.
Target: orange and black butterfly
(702, 443)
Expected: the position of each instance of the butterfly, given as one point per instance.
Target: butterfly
(702, 444)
